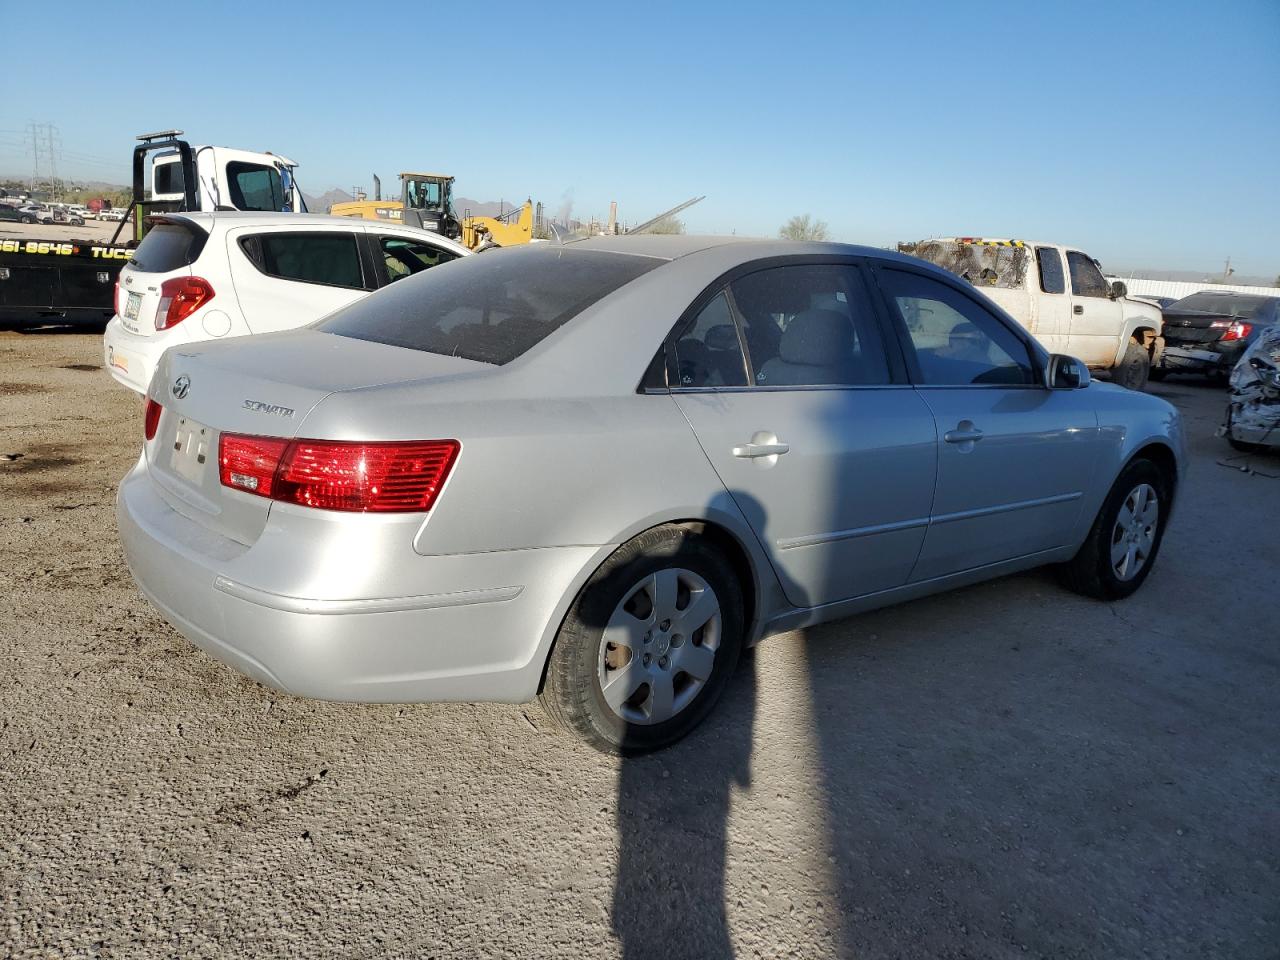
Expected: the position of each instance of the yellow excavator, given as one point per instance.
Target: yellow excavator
(426, 202)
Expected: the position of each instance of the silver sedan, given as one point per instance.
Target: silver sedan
(595, 473)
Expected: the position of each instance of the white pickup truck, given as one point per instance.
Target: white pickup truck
(1061, 296)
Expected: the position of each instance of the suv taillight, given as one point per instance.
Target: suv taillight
(180, 297)
(391, 477)
(151, 419)
(1232, 329)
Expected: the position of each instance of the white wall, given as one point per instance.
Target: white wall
(1184, 288)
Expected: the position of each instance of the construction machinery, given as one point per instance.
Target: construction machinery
(426, 202)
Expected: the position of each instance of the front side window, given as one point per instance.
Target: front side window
(956, 341)
(255, 187)
(810, 325)
(1051, 278)
(491, 308)
(708, 352)
(404, 258)
(1086, 279)
(326, 258)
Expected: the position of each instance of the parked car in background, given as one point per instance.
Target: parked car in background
(1207, 332)
(1253, 411)
(1061, 296)
(596, 472)
(202, 276)
(18, 214)
(115, 215)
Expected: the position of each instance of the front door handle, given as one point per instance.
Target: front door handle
(963, 434)
(753, 450)
(1078, 309)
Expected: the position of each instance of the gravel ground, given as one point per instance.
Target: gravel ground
(1004, 771)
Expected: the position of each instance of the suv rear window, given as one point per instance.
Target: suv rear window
(169, 246)
(492, 307)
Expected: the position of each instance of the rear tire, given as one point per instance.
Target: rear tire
(636, 595)
(1117, 556)
(1244, 446)
(1134, 368)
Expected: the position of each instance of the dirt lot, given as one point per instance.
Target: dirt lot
(1005, 771)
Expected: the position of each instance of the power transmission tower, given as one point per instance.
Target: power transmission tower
(33, 140)
(55, 147)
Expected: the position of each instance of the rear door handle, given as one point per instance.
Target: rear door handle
(753, 450)
(1077, 309)
(963, 435)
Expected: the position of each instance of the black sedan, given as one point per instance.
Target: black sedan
(10, 212)
(1207, 332)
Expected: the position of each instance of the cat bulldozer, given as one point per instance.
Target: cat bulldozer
(426, 202)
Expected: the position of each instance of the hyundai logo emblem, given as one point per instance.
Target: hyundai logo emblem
(181, 387)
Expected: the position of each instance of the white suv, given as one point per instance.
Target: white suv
(205, 276)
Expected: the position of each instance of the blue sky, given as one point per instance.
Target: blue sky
(1146, 133)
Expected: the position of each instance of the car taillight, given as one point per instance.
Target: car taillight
(1233, 329)
(180, 297)
(392, 477)
(249, 463)
(151, 419)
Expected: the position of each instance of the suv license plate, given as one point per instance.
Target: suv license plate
(131, 306)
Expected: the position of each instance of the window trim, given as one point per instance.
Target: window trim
(364, 275)
(1036, 354)
(651, 383)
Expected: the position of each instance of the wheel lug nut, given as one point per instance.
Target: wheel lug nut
(648, 636)
(645, 660)
(663, 663)
(665, 625)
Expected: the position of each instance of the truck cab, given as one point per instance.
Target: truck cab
(228, 179)
(1060, 295)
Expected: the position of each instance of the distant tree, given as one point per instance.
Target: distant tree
(804, 227)
(667, 225)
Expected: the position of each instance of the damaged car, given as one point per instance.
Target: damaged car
(1208, 332)
(1253, 412)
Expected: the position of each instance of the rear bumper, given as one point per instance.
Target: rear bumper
(129, 358)
(1193, 358)
(468, 627)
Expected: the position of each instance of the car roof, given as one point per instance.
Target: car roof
(743, 249)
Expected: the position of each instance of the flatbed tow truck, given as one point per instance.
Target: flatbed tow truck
(72, 282)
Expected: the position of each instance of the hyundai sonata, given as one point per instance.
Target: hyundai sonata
(594, 473)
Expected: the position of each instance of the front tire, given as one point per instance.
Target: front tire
(648, 646)
(1134, 368)
(1117, 556)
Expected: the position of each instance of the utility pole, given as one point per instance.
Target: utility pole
(1226, 270)
(51, 134)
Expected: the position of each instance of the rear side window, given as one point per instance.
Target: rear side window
(1086, 278)
(326, 258)
(167, 247)
(810, 325)
(1051, 278)
(168, 178)
(492, 307)
(255, 187)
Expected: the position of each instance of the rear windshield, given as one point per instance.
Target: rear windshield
(1223, 305)
(491, 307)
(168, 246)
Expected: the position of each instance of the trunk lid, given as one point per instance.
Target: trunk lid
(264, 386)
(1194, 328)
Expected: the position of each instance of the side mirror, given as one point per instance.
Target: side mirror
(1066, 373)
(1118, 290)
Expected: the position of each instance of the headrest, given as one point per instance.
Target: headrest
(818, 338)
